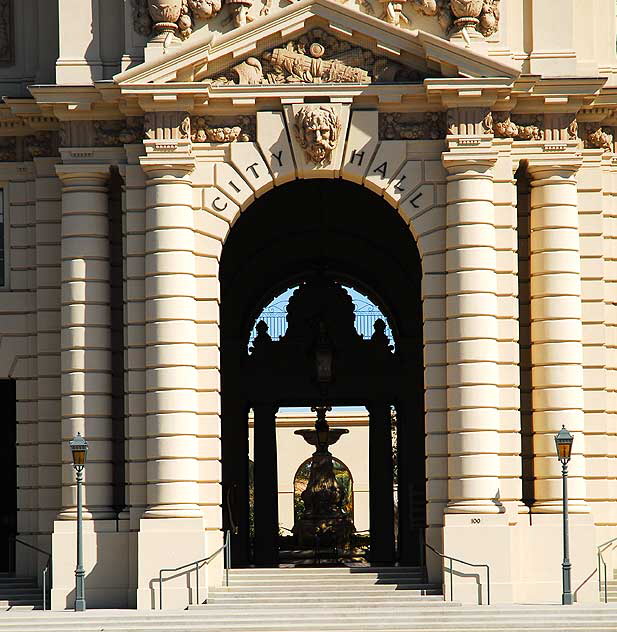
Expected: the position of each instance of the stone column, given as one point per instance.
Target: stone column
(171, 335)
(266, 485)
(85, 339)
(171, 531)
(381, 484)
(556, 352)
(472, 350)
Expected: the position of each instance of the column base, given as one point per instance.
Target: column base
(556, 507)
(475, 506)
(524, 558)
(484, 539)
(169, 543)
(106, 562)
(542, 541)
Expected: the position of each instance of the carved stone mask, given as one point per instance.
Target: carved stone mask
(318, 129)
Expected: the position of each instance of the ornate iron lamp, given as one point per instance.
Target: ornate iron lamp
(324, 357)
(563, 443)
(79, 449)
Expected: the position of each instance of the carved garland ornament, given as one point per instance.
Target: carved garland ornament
(218, 130)
(318, 129)
(399, 126)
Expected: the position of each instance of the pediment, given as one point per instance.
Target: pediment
(349, 47)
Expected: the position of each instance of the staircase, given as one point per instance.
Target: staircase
(611, 589)
(325, 600)
(19, 593)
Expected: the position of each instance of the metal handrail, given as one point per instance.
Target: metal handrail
(601, 563)
(454, 559)
(196, 564)
(44, 572)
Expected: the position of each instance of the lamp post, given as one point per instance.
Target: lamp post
(79, 449)
(563, 443)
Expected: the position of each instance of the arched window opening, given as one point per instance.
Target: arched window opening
(344, 480)
(366, 312)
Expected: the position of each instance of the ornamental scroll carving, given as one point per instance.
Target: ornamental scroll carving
(318, 57)
(213, 129)
(318, 130)
(401, 126)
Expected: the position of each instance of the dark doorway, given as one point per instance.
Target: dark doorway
(321, 234)
(8, 473)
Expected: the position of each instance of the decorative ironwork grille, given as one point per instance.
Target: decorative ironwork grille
(366, 312)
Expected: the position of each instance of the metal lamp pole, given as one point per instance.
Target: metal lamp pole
(563, 443)
(79, 448)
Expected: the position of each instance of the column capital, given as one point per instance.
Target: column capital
(83, 174)
(479, 157)
(548, 166)
(165, 163)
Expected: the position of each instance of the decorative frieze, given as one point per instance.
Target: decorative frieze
(504, 127)
(216, 129)
(475, 121)
(8, 148)
(41, 145)
(404, 126)
(595, 136)
(77, 134)
(118, 133)
(318, 57)
(7, 47)
(167, 125)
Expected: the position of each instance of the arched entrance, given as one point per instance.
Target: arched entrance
(321, 234)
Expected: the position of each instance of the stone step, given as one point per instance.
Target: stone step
(391, 599)
(335, 570)
(369, 589)
(314, 577)
(282, 583)
(311, 626)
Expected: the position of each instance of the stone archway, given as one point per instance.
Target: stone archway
(352, 235)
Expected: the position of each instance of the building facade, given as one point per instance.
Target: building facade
(168, 167)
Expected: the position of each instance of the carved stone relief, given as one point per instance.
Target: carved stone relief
(117, 133)
(318, 130)
(43, 144)
(6, 32)
(213, 129)
(504, 127)
(402, 126)
(167, 125)
(8, 149)
(597, 137)
(180, 16)
(318, 57)
(171, 16)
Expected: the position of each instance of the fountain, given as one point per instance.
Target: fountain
(323, 523)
